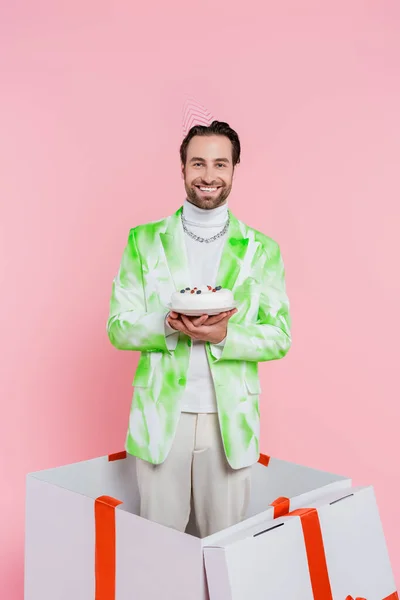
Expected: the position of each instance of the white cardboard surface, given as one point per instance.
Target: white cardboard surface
(273, 565)
(152, 561)
(59, 553)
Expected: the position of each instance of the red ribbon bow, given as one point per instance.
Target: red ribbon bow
(393, 596)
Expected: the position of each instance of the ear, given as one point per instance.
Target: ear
(182, 171)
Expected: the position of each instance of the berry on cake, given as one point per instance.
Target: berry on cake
(203, 298)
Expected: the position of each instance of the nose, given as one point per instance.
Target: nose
(208, 176)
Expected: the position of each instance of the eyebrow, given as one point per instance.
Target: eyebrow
(198, 158)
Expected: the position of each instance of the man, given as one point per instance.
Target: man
(194, 420)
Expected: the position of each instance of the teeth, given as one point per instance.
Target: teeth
(208, 189)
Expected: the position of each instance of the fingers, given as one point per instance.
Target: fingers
(216, 318)
(182, 323)
(188, 323)
(180, 326)
(192, 323)
(199, 320)
(174, 323)
(230, 313)
(173, 319)
(197, 328)
(226, 319)
(221, 317)
(206, 320)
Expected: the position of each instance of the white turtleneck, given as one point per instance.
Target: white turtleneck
(203, 262)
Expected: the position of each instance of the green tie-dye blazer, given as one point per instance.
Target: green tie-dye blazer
(154, 264)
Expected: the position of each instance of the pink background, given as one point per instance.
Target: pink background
(90, 121)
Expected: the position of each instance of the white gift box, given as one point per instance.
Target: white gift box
(85, 540)
(332, 549)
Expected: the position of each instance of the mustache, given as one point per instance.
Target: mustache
(209, 184)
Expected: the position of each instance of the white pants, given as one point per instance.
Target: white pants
(195, 469)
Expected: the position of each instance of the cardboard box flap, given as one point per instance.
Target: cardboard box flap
(275, 561)
(299, 484)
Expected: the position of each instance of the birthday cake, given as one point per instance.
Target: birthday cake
(203, 298)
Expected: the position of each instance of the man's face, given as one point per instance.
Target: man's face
(208, 165)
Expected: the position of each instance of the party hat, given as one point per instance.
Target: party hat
(195, 113)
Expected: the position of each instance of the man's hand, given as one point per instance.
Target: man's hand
(205, 328)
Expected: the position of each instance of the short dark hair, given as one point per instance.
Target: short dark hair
(216, 128)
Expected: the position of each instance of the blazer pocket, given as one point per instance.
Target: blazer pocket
(253, 386)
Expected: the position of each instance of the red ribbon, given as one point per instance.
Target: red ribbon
(264, 459)
(105, 541)
(316, 556)
(117, 456)
(281, 507)
(315, 550)
(393, 596)
(104, 508)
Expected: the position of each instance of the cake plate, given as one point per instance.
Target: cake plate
(205, 311)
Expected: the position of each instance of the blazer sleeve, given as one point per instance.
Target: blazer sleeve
(129, 325)
(269, 338)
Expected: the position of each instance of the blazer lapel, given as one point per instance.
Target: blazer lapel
(233, 255)
(232, 258)
(174, 246)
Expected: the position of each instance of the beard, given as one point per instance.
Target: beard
(207, 202)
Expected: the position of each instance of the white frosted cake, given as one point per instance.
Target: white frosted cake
(202, 298)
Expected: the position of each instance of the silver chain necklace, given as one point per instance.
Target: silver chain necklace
(201, 239)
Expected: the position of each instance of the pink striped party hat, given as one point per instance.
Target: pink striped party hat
(195, 113)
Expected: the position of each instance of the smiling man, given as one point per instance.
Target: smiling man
(194, 420)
